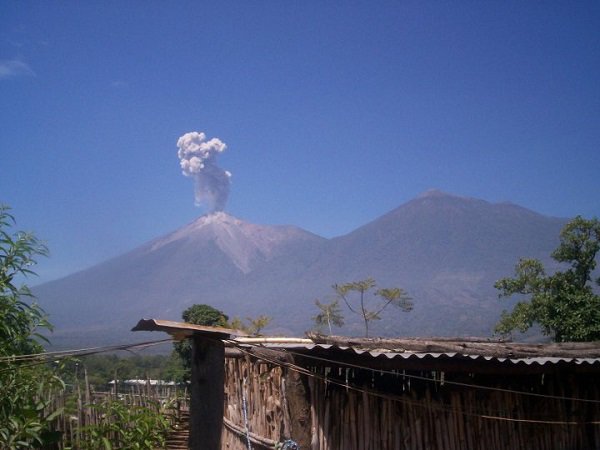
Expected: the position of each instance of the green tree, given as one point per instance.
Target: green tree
(198, 315)
(205, 315)
(358, 290)
(329, 314)
(563, 304)
(25, 415)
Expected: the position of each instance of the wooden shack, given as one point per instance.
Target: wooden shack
(371, 394)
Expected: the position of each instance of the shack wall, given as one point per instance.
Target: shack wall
(254, 395)
(363, 409)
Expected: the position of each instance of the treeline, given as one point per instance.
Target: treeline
(100, 369)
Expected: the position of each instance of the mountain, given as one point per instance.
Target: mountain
(446, 251)
(197, 263)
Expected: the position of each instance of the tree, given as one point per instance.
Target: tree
(329, 313)
(19, 320)
(252, 326)
(563, 304)
(25, 418)
(205, 315)
(256, 325)
(198, 315)
(387, 296)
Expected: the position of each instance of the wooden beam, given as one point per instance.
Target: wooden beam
(207, 396)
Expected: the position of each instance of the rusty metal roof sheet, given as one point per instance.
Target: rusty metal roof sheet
(182, 330)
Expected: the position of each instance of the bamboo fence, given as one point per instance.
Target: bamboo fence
(258, 386)
(79, 405)
(363, 409)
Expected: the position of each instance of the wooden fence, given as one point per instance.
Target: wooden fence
(80, 402)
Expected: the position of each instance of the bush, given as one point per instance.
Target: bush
(126, 427)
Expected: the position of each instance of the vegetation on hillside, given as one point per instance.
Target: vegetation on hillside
(101, 369)
(564, 303)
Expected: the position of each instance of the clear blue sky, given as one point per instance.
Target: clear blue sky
(333, 112)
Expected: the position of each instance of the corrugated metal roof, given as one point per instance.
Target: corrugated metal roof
(408, 355)
(182, 330)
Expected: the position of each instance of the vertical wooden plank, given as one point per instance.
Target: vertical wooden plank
(208, 371)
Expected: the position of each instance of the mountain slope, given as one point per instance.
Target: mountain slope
(195, 264)
(446, 251)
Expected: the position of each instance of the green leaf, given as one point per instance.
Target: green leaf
(55, 414)
(106, 443)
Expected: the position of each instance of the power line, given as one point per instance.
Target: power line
(43, 358)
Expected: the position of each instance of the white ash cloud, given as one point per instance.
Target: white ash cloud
(198, 160)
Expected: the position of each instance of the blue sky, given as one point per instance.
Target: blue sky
(333, 112)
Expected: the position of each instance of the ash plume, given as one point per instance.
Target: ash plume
(198, 160)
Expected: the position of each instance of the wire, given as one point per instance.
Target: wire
(455, 383)
(399, 399)
(43, 358)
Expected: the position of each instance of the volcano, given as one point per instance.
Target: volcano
(446, 251)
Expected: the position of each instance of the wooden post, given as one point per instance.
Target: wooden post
(208, 372)
(298, 400)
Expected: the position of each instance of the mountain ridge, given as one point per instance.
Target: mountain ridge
(445, 250)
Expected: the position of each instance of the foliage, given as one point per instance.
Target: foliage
(174, 370)
(19, 320)
(127, 427)
(251, 326)
(255, 326)
(198, 314)
(563, 303)
(258, 324)
(387, 296)
(25, 415)
(205, 315)
(238, 324)
(329, 314)
(103, 368)
(25, 406)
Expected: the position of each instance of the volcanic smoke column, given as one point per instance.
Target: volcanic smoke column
(198, 160)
